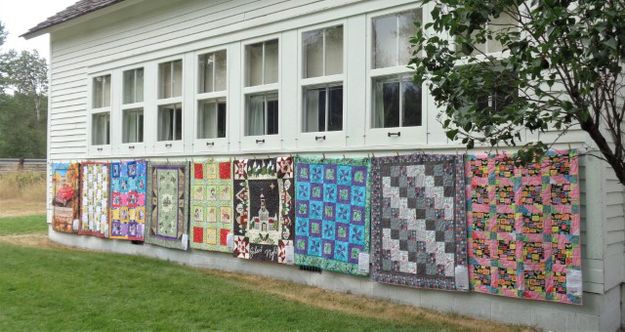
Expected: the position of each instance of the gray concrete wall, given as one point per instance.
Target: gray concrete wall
(598, 313)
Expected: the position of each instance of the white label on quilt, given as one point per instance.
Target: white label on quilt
(461, 277)
(230, 241)
(363, 262)
(185, 241)
(574, 282)
(289, 254)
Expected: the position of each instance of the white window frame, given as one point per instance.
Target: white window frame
(260, 142)
(170, 146)
(395, 136)
(321, 139)
(104, 149)
(136, 147)
(218, 144)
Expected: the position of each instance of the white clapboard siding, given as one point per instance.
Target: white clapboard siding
(615, 230)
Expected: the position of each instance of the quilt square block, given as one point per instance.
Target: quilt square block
(336, 213)
(264, 208)
(536, 252)
(168, 224)
(212, 210)
(418, 234)
(94, 219)
(128, 208)
(66, 217)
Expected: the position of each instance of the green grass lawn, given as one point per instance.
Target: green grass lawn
(63, 289)
(23, 225)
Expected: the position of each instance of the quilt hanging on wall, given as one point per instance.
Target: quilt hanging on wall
(128, 189)
(168, 209)
(524, 225)
(332, 214)
(211, 205)
(65, 203)
(94, 218)
(263, 204)
(418, 234)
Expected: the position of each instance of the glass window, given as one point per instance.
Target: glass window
(261, 116)
(396, 102)
(261, 63)
(133, 86)
(132, 126)
(170, 122)
(211, 119)
(100, 129)
(170, 79)
(212, 70)
(323, 109)
(323, 52)
(101, 91)
(391, 38)
(503, 22)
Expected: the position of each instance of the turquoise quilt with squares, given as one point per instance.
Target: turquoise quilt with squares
(332, 213)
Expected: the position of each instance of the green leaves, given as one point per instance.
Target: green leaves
(557, 64)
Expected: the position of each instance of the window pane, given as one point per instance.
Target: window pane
(165, 79)
(220, 71)
(221, 119)
(385, 41)
(177, 88)
(211, 119)
(139, 86)
(129, 86)
(271, 61)
(315, 110)
(206, 65)
(133, 86)
(386, 103)
(407, 30)
(335, 112)
(500, 24)
(272, 114)
(313, 53)
(334, 50)
(411, 104)
(100, 129)
(255, 115)
(254, 64)
(133, 126)
(170, 122)
(101, 91)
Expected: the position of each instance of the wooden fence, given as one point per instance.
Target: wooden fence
(12, 165)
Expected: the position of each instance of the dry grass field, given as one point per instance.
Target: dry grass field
(22, 194)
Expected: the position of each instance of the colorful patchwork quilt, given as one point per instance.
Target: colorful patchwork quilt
(419, 231)
(524, 226)
(95, 199)
(168, 208)
(263, 204)
(128, 189)
(211, 205)
(66, 202)
(332, 214)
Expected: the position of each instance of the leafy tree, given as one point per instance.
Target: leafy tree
(23, 103)
(560, 68)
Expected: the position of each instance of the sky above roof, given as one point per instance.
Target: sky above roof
(19, 16)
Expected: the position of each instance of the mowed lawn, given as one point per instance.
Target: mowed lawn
(63, 289)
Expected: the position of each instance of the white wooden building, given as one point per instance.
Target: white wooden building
(190, 78)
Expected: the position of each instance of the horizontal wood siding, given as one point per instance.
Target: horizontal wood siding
(614, 230)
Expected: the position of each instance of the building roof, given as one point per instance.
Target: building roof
(78, 9)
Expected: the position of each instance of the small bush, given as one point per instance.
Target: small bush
(25, 185)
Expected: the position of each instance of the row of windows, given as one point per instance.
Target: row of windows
(396, 100)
